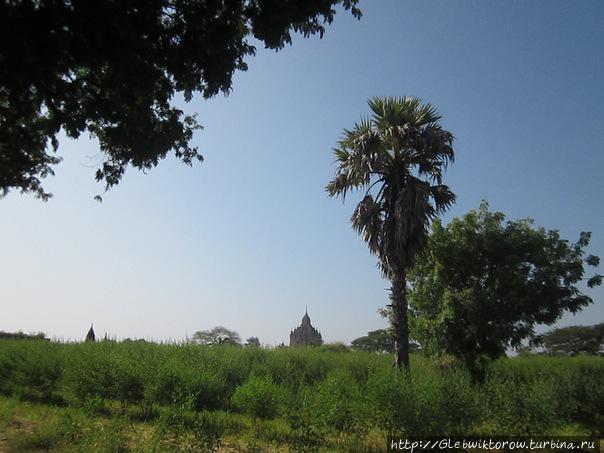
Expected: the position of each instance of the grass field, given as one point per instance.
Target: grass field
(133, 396)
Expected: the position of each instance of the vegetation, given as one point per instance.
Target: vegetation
(109, 396)
(217, 336)
(575, 340)
(253, 342)
(400, 153)
(56, 74)
(483, 285)
(22, 336)
(380, 340)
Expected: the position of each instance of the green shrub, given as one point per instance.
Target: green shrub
(422, 403)
(210, 391)
(30, 370)
(308, 430)
(259, 396)
(91, 377)
(340, 403)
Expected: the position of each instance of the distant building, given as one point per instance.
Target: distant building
(90, 335)
(305, 334)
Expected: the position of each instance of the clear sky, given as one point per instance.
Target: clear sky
(249, 238)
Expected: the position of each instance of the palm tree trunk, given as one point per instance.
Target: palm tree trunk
(400, 321)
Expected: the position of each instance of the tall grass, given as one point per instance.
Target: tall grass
(313, 392)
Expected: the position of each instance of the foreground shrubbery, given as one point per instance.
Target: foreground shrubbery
(303, 396)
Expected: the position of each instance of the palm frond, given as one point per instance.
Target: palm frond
(338, 186)
(361, 137)
(342, 155)
(443, 198)
(367, 221)
(427, 114)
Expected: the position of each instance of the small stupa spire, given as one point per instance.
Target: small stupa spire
(90, 335)
(306, 318)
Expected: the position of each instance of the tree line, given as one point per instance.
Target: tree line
(567, 341)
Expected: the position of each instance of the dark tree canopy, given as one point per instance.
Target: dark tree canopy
(217, 336)
(381, 340)
(253, 342)
(483, 285)
(111, 68)
(575, 340)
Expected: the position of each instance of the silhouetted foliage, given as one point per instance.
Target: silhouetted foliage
(111, 68)
(22, 336)
(253, 341)
(399, 153)
(381, 340)
(217, 336)
(483, 285)
(136, 340)
(575, 340)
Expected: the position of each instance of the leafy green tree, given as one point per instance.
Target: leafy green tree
(217, 336)
(380, 340)
(482, 285)
(253, 341)
(397, 156)
(575, 340)
(110, 69)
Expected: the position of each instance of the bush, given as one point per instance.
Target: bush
(340, 403)
(524, 408)
(259, 396)
(422, 403)
(30, 370)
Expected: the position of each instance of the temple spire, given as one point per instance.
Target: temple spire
(305, 334)
(90, 335)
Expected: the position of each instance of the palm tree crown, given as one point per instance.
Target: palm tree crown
(398, 156)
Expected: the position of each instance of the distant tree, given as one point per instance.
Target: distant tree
(381, 340)
(400, 153)
(482, 285)
(137, 340)
(111, 69)
(253, 341)
(23, 336)
(334, 347)
(217, 336)
(575, 340)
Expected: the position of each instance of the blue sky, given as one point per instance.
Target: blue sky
(248, 239)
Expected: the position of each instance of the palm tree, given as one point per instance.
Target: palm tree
(397, 156)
